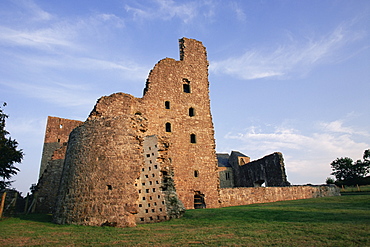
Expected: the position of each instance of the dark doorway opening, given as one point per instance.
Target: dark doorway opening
(199, 200)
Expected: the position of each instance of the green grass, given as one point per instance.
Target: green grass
(331, 221)
(362, 188)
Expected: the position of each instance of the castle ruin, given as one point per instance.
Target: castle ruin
(141, 160)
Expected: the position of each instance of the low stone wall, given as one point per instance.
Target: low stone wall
(244, 195)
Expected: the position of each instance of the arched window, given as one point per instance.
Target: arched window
(167, 105)
(191, 112)
(168, 127)
(193, 138)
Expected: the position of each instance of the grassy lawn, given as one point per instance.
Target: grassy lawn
(332, 221)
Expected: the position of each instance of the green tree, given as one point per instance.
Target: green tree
(9, 155)
(345, 169)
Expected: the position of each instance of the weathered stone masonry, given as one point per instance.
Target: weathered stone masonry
(142, 160)
(106, 175)
(55, 145)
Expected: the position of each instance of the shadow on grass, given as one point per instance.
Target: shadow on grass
(355, 193)
(36, 217)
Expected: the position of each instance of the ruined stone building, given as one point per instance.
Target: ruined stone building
(141, 160)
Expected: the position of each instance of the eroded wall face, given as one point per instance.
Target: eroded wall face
(48, 184)
(158, 200)
(267, 171)
(57, 133)
(103, 160)
(177, 106)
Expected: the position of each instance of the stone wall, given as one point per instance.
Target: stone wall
(243, 196)
(103, 160)
(177, 106)
(57, 133)
(268, 171)
(158, 200)
(48, 184)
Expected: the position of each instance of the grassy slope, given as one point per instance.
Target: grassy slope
(332, 221)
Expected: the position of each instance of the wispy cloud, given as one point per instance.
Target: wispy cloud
(240, 14)
(303, 154)
(297, 57)
(169, 9)
(68, 95)
(39, 38)
(33, 10)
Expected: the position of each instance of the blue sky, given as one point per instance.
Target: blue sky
(288, 76)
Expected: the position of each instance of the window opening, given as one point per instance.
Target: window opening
(61, 126)
(109, 187)
(186, 85)
(186, 88)
(168, 127)
(167, 105)
(196, 173)
(193, 138)
(227, 176)
(191, 112)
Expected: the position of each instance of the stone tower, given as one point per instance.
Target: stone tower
(138, 160)
(178, 107)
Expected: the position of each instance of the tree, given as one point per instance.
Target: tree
(330, 181)
(345, 169)
(9, 155)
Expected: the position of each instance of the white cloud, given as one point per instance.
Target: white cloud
(36, 13)
(285, 60)
(240, 14)
(169, 9)
(306, 156)
(68, 95)
(39, 38)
